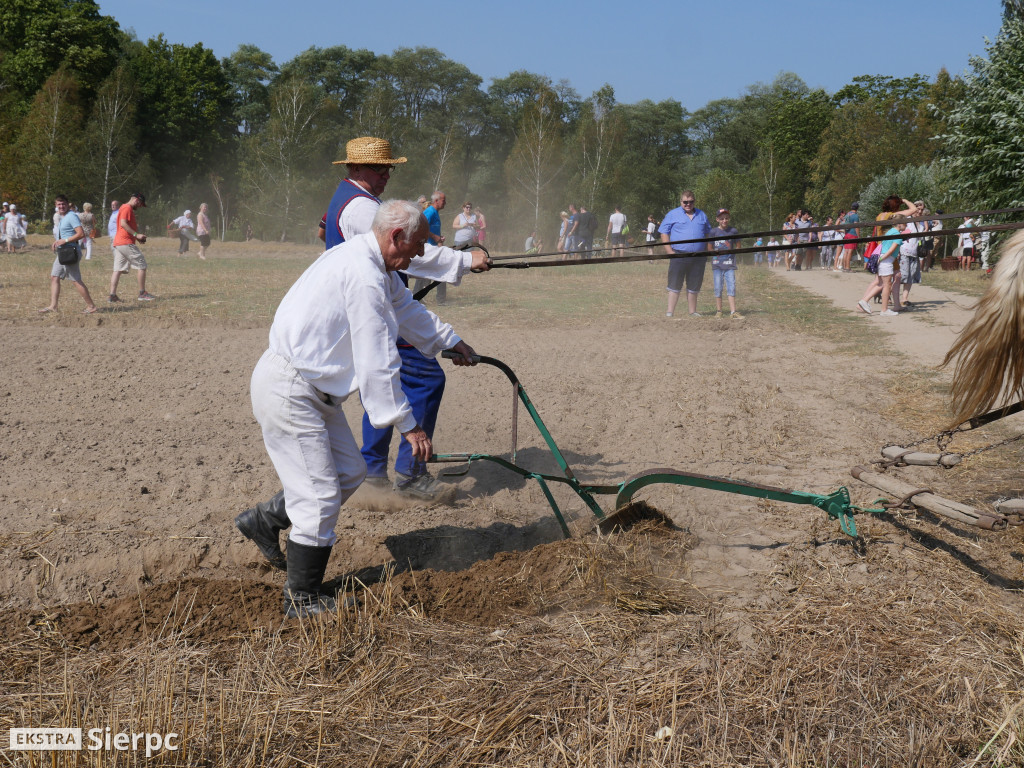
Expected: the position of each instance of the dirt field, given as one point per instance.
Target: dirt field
(756, 631)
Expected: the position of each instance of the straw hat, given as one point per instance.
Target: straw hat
(367, 150)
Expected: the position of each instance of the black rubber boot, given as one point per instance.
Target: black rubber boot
(306, 568)
(263, 524)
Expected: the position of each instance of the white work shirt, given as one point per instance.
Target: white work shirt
(437, 263)
(184, 222)
(339, 323)
(617, 220)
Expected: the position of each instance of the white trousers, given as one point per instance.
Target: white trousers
(311, 447)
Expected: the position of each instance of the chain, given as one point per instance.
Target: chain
(943, 439)
(984, 448)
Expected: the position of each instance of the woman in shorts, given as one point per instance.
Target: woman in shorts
(203, 229)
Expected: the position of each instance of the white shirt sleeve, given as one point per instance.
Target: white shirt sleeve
(357, 217)
(375, 359)
(418, 325)
(441, 263)
(436, 263)
(375, 328)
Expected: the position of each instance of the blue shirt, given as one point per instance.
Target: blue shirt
(851, 218)
(433, 220)
(68, 224)
(892, 237)
(722, 258)
(678, 226)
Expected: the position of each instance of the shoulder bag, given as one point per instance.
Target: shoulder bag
(67, 254)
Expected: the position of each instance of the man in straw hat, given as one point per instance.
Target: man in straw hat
(351, 212)
(335, 333)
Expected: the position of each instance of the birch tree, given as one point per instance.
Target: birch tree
(535, 160)
(112, 132)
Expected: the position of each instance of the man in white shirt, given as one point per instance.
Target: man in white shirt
(614, 235)
(369, 163)
(334, 334)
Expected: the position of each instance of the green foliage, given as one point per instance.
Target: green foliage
(984, 138)
(647, 167)
(46, 155)
(913, 182)
(284, 165)
(249, 71)
(186, 104)
(260, 137)
(795, 126)
(38, 37)
(882, 88)
(880, 123)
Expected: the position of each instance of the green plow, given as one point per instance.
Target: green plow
(836, 504)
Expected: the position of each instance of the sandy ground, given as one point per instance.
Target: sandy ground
(924, 333)
(130, 450)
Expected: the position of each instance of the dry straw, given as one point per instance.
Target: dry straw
(835, 671)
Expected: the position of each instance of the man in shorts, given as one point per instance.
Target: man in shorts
(126, 252)
(69, 232)
(616, 238)
(687, 222)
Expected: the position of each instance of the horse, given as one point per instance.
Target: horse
(988, 354)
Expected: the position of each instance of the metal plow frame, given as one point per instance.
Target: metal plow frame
(836, 504)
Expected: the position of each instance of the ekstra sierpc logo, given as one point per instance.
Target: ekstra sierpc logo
(96, 739)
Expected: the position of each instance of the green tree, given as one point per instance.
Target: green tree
(112, 142)
(795, 127)
(38, 37)
(186, 104)
(914, 182)
(984, 139)
(47, 150)
(284, 165)
(249, 71)
(598, 133)
(647, 169)
(880, 124)
(343, 74)
(536, 158)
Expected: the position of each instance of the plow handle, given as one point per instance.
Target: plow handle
(451, 355)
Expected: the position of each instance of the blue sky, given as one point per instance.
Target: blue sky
(692, 52)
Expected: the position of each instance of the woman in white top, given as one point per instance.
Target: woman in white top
(465, 225)
(561, 230)
(88, 223)
(203, 229)
(652, 227)
(788, 254)
(966, 244)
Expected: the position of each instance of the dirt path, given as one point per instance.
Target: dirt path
(923, 333)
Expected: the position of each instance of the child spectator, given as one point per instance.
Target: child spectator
(723, 262)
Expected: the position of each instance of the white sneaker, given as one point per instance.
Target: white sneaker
(864, 306)
(889, 313)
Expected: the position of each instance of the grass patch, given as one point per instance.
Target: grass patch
(973, 283)
(796, 310)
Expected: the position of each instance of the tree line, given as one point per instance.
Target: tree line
(90, 111)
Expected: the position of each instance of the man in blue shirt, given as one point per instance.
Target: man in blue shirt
(687, 222)
(69, 232)
(431, 212)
